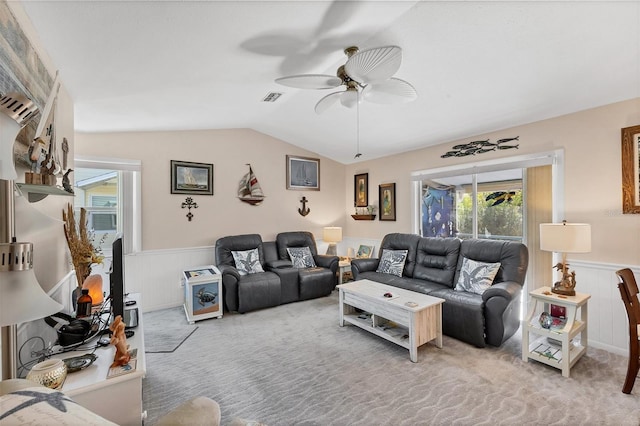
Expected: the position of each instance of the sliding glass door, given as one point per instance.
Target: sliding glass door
(484, 205)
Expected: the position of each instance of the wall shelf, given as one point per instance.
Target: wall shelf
(363, 216)
(38, 192)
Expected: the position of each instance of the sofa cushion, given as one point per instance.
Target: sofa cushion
(247, 262)
(397, 241)
(226, 245)
(392, 262)
(284, 240)
(301, 257)
(436, 260)
(476, 277)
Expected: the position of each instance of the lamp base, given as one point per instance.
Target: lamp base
(332, 250)
(565, 288)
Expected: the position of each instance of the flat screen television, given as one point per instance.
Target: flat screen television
(116, 278)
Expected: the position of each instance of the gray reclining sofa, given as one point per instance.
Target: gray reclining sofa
(433, 266)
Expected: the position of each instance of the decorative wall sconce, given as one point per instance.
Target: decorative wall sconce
(188, 203)
(304, 210)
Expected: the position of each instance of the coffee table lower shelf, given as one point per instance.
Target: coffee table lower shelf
(407, 318)
(381, 327)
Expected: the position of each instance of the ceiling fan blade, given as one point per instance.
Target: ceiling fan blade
(379, 63)
(327, 102)
(310, 81)
(390, 91)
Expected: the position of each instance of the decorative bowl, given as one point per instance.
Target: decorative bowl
(50, 373)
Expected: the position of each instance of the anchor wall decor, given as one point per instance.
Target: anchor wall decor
(188, 203)
(304, 210)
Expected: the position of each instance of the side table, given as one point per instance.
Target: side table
(202, 293)
(344, 266)
(535, 338)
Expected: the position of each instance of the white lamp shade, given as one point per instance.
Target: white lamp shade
(332, 234)
(22, 299)
(565, 237)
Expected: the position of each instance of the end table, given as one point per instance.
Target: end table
(535, 337)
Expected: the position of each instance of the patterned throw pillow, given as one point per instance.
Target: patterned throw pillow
(392, 262)
(301, 257)
(247, 262)
(476, 277)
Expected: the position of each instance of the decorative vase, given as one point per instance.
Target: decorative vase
(50, 373)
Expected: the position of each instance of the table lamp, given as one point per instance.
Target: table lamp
(565, 238)
(332, 235)
(21, 297)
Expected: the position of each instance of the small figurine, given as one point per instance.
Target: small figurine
(119, 340)
(66, 183)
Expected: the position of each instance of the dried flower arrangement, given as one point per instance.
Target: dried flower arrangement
(80, 242)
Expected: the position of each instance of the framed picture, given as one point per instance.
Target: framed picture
(364, 252)
(202, 293)
(303, 173)
(361, 190)
(387, 200)
(631, 170)
(191, 178)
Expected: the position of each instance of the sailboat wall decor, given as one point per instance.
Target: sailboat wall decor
(249, 189)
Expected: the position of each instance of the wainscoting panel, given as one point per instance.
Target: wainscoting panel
(608, 324)
(156, 274)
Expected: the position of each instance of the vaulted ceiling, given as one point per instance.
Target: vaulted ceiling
(478, 66)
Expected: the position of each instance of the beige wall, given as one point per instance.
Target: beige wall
(593, 194)
(164, 222)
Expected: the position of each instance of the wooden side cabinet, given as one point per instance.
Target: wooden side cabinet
(557, 345)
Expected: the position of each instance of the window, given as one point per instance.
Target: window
(487, 205)
(109, 190)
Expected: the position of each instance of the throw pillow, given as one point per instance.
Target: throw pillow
(476, 277)
(247, 262)
(392, 262)
(40, 405)
(301, 257)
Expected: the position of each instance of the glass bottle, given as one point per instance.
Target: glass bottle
(84, 304)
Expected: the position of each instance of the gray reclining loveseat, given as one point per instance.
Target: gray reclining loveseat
(433, 266)
(272, 279)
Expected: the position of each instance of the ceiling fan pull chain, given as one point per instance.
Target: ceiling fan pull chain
(357, 125)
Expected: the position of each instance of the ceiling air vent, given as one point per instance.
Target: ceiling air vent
(272, 97)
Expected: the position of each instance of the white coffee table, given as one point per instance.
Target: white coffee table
(390, 317)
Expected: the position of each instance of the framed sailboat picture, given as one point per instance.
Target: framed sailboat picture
(303, 173)
(191, 178)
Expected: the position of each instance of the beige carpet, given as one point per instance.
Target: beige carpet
(293, 365)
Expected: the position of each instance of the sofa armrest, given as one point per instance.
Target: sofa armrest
(363, 265)
(329, 262)
(507, 289)
(230, 280)
(226, 270)
(502, 311)
(278, 264)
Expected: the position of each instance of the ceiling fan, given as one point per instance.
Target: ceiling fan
(367, 75)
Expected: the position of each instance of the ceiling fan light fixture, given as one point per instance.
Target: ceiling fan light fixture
(349, 98)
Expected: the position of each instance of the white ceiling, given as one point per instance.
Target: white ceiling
(477, 66)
